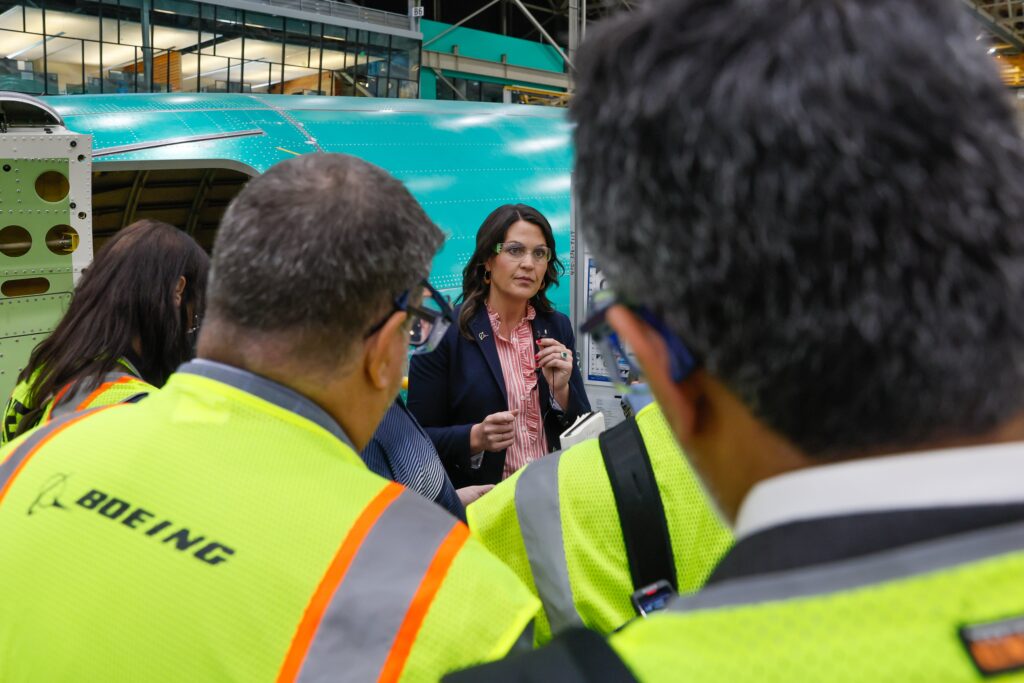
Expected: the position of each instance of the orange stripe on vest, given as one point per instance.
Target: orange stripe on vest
(43, 442)
(55, 401)
(421, 602)
(332, 579)
(100, 389)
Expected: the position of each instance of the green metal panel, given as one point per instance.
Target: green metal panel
(25, 322)
(23, 207)
(37, 268)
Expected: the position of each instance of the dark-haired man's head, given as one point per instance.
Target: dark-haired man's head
(826, 207)
(308, 262)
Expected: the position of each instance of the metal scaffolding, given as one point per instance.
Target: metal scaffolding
(1004, 19)
(541, 14)
(561, 24)
(1002, 22)
(576, 15)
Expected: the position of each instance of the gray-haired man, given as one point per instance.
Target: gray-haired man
(225, 527)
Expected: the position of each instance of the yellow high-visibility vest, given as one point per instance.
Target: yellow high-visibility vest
(224, 529)
(556, 524)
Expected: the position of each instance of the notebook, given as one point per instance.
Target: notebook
(586, 426)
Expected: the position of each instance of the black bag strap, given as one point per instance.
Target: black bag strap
(575, 656)
(638, 499)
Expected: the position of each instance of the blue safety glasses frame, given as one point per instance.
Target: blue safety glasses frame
(681, 359)
(430, 318)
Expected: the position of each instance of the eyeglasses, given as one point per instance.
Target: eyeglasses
(192, 333)
(430, 318)
(619, 364)
(517, 251)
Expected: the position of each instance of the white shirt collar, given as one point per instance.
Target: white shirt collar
(978, 475)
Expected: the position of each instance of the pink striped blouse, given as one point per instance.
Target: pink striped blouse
(518, 366)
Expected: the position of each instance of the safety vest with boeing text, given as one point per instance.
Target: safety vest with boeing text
(560, 524)
(230, 532)
(113, 387)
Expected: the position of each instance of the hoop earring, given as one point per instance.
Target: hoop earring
(487, 277)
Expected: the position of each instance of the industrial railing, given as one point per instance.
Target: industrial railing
(341, 10)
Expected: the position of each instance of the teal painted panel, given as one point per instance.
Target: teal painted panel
(163, 102)
(426, 138)
(459, 159)
(491, 46)
(127, 102)
(460, 168)
(281, 139)
(428, 84)
(371, 104)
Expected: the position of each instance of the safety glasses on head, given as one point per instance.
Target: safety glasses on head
(429, 318)
(620, 365)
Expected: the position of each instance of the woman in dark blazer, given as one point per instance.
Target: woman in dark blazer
(504, 382)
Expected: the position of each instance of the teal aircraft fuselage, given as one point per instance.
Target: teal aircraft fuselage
(182, 158)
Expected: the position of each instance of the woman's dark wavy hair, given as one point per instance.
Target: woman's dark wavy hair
(126, 293)
(491, 233)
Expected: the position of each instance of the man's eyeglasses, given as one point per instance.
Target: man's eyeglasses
(620, 365)
(429, 319)
(517, 251)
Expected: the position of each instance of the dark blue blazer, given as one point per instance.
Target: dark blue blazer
(460, 383)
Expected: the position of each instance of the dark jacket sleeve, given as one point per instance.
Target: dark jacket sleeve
(557, 421)
(578, 401)
(579, 404)
(430, 402)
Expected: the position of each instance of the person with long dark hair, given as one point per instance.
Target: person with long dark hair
(131, 322)
(503, 384)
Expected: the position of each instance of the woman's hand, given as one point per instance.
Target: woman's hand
(556, 360)
(495, 433)
(469, 494)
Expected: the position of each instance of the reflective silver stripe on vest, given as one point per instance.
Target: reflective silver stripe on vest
(14, 459)
(896, 564)
(540, 521)
(358, 628)
(78, 393)
(131, 366)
